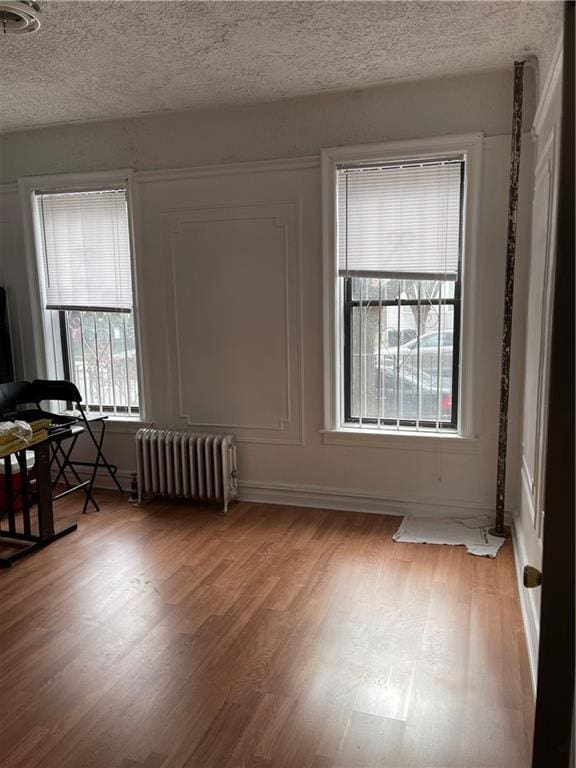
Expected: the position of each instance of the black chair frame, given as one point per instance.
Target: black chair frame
(67, 391)
(65, 427)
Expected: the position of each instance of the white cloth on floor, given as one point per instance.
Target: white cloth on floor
(472, 532)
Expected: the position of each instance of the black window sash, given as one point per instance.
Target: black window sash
(67, 371)
(350, 304)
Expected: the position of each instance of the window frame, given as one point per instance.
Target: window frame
(47, 329)
(348, 306)
(130, 413)
(336, 430)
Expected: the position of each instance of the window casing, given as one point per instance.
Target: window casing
(84, 260)
(347, 296)
(401, 334)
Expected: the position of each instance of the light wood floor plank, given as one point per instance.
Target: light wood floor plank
(170, 636)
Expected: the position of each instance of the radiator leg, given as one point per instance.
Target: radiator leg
(134, 495)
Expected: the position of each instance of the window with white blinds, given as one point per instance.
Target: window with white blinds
(400, 220)
(85, 271)
(86, 250)
(399, 236)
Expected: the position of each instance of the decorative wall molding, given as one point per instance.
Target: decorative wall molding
(545, 153)
(528, 607)
(527, 527)
(545, 337)
(541, 308)
(549, 86)
(228, 169)
(286, 216)
(527, 475)
(197, 421)
(528, 488)
(9, 189)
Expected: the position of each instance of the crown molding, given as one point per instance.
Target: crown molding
(227, 169)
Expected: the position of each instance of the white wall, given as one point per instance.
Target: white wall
(288, 128)
(529, 521)
(265, 381)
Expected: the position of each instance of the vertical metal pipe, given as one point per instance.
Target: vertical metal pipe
(498, 529)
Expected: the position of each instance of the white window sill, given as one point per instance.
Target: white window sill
(402, 440)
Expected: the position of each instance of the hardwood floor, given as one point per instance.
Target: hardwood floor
(169, 636)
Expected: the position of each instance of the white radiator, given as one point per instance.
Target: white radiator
(186, 464)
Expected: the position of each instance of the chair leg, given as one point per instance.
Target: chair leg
(91, 484)
(101, 460)
(55, 458)
(68, 464)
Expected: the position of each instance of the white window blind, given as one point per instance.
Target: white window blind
(399, 221)
(86, 259)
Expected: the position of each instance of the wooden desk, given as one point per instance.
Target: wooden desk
(16, 525)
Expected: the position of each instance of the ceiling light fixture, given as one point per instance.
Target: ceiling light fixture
(19, 17)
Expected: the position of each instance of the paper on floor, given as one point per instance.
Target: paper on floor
(472, 532)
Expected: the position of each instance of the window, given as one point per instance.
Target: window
(85, 275)
(394, 273)
(399, 263)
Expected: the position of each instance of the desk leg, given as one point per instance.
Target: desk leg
(44, 492)
(46, 532)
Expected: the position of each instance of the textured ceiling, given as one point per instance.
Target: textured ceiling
(97, 60)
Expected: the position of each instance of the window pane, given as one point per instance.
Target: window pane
(369, 289)
(430, 289)
(366, 288)
(430, 364)
(402, 355)
(364, 374)
(102, 359)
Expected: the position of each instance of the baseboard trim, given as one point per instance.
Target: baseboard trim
(530, 618)
(345, 500)
(103, 479)
(355, 501)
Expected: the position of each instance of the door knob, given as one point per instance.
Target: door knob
(532, 577)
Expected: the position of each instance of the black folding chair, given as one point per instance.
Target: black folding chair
(66, 391)
(64, 428)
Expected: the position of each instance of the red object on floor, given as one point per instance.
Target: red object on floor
(16, 486)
